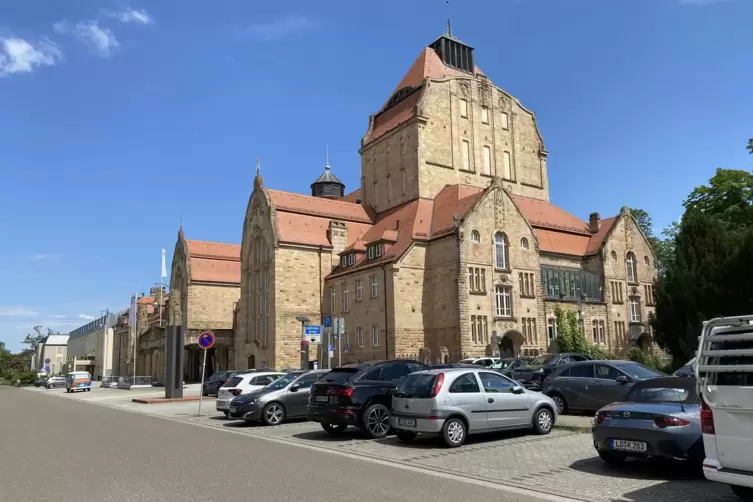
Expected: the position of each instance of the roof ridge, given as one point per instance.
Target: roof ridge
(212, 242)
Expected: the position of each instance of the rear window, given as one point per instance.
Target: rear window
(340, 375)
(233, 382)
(639, 371)
(416, 386)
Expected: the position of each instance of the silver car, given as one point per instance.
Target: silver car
(457, 402)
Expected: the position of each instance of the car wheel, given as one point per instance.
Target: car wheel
(376, 419)
(334, 429)
(742, 492)
(454, 432)
(51, 386)
(612, 458)
(273, 414)
(406, 436)
(543, 421)
(560, 402)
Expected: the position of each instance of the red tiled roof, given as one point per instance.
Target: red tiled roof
(328, 208)
(553, 241)
(453, 200)
(312, 230)
(214, 261)
(353, 196)
(597, 239)
(541, 213)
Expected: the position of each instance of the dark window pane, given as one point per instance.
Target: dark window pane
(465, 384)
(582, 371)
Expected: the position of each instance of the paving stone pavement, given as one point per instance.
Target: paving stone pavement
(563, 463)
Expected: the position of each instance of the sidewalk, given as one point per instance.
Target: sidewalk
(577, 423)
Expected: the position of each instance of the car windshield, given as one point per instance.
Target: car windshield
(639, 371)
(659, 394)
(416, 385)
(541, 360)
(501, 365)
(233, 382)
(283, 382)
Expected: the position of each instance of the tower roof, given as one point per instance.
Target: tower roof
(328, 177)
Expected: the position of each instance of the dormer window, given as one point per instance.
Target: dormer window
(375, 251)
(348, 260)
(343, 261)
(352, 259)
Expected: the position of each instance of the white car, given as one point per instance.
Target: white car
(724, 375)
(480, 361)
(243, 384)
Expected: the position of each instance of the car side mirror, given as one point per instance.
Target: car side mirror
(517, 389)
(622, 379)
(295, 388)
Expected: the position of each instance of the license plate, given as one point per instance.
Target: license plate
(621, 444)
(80, 385)
(321, 399)
(232, 410)
(407, 422)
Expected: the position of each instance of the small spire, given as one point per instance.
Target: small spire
(449, 25)
(326, 162)
(181, 221)
(258, 167)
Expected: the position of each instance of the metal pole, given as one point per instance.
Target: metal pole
(339, 349)
(104, 355)
(329, 343)
(201, 389)
(160, 304)
(304, 348)
(135, 336)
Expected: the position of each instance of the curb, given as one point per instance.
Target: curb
(574, 428)
(162, 400)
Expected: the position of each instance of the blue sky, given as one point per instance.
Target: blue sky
(116, 118)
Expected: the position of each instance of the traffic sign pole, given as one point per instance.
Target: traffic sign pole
(206, 342)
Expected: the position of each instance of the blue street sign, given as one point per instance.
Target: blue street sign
(312, 329)
(206, 340)
(327, 321)
(331, 348)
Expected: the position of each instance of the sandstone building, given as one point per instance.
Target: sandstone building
(450, 247)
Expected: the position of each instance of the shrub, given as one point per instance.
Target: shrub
(570, 338)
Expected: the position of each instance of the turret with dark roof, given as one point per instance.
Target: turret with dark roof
(328, 185)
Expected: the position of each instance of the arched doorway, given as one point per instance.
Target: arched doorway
(251, 362)
(510, 343)
(644, 342)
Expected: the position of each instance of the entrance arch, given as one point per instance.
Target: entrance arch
(510, 343)
(251, 362)
(643, 342)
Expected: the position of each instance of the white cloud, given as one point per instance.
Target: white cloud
(46, 257)
(281, 28)
(139, 16)
(16, 311)
(100, 40)
(19, 56)
(61, 27)
(86, 317)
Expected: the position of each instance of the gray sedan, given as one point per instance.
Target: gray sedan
(283, 399)
(661, 418)
(455, 402)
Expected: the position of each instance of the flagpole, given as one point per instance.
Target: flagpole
(162, 286)
(134, 301)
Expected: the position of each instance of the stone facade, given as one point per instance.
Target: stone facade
(449, 249)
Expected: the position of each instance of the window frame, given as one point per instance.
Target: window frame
(463, 108)
(501, 243)
(464, 375)
(500, 293)
(375, 335)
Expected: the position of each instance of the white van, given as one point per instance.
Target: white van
(724, 372)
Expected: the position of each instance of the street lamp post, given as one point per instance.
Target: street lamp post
(304, 342)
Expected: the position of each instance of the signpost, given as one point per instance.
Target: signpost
(340, 334)
(206, 342)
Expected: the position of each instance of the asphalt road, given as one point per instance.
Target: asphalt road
(59, 449)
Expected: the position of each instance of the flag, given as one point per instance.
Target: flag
(164, 268)
(132, 312)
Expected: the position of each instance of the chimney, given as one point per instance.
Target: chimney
(338, 237)
(594, 222)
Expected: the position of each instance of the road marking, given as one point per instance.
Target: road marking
(402, 465)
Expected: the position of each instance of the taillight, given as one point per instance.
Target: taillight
(224, 380)
(438, 385)
(346, 392)
(662, 422)
(236, 392)
(600, 417)
(707, 419)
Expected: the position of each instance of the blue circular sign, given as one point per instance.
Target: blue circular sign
(206, 340)
(47, 361)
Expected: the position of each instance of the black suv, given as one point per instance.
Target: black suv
(359, 395)
(532, 375)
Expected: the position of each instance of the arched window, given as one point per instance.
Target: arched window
(524, 243)
(614, 255)
(647, 260)
(632, 268)
(501, 251)
(475, 236)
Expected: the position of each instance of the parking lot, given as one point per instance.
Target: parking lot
(563, 463)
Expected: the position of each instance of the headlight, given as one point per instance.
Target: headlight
(539, 371)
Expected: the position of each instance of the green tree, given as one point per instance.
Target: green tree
(34, 339)
(750, 146)
(728, 196)
(570, 337)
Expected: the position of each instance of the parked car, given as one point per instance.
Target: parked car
(55, 381)
(452, 365)
(457, 402)
(661, 417)
(508, 365)
(725, 379)
(40, 382)
(589, 385)
(687, 370)
(216, 380)
(283, 399)
(532, 375)
(359, 395)
(243, 383)
(480, 361)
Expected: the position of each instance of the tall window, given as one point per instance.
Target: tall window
(346, 297)
(635, 309)
(501, 251)
(599, 337)
(619, 331)
(359, 289)
(466, 156)
(506, 166)
(484, 115)
(374, 286)
(527, 284)
(649, 294)
(332, 299)
(618, 294)
(504, 120)
(479, 329)
(551, 329)
(359, 335)
(260, 275)
(266, 307)
(529, 331)
(375, 336)
(487, 167)
(476, 280)
(463, 108)
(632, 268)
(503, 296)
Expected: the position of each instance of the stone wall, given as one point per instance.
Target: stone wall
(210, 306)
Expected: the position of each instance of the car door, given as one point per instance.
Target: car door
(503, 408)
(298, 394)
(605, 388)
(465, 393)
(575, 387)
